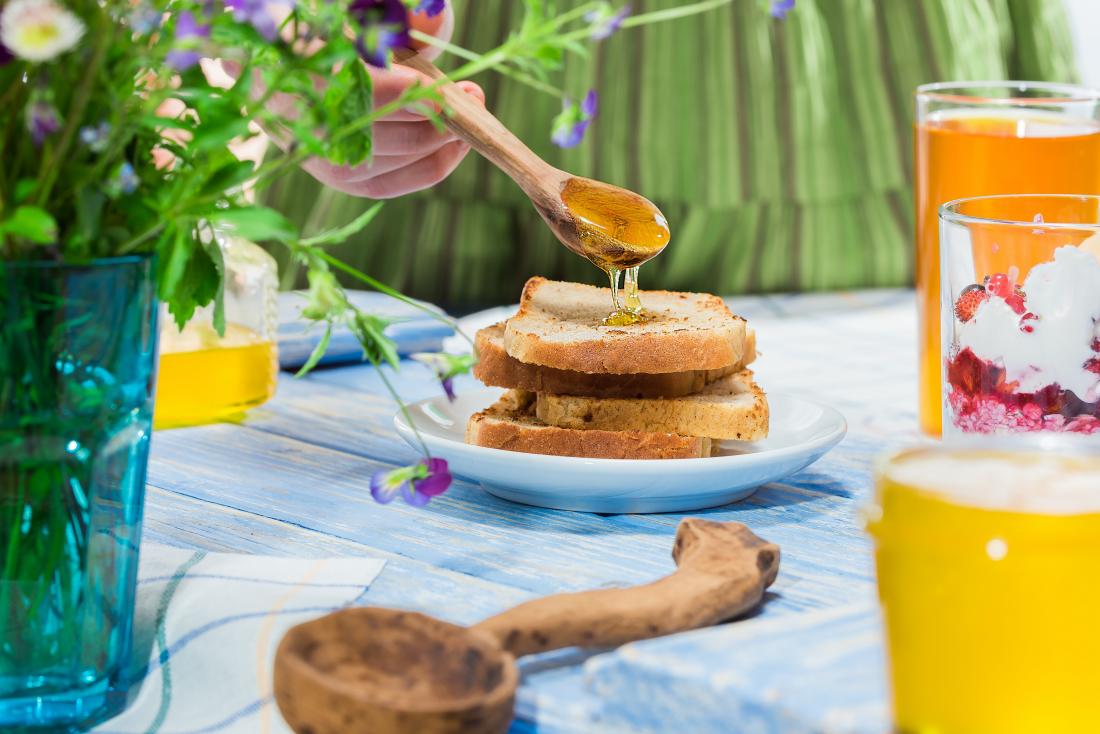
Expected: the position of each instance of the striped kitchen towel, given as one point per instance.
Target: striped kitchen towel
(205, 632)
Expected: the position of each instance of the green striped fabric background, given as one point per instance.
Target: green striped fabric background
(779, 150)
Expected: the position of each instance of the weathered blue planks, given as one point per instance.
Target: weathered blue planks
(293, 479)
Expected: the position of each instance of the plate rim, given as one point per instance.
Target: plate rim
(827, 441)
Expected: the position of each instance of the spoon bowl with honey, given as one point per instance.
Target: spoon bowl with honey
(616, 229)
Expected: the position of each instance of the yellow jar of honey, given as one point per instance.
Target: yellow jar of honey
(204, 376)
(988, 562)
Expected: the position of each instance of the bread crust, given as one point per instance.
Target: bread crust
(498, 368)
(505, 425)
(683, 332)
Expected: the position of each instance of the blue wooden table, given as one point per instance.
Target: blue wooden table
(292, 479)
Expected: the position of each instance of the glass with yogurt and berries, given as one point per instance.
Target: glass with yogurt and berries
(1020, 310)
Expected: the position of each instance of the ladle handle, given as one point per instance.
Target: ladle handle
(486, 134)
(714, 582)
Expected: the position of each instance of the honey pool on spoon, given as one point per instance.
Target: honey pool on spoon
(616, 229)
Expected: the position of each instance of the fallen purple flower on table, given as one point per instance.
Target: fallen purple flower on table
(780, 8)
(431, 7)
(571, 125)
(384, 26)
(42, 121)
(436, 483)
(188, 30)
(417, 484)
(603, 25)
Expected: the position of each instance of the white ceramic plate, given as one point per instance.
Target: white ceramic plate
(801, 432)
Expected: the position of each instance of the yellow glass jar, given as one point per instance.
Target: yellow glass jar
(988, 563)
(205, 377)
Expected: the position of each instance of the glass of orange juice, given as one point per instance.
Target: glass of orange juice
(1021, 314)
(981, 138)
(987, 559)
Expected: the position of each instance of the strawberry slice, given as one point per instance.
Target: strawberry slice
(969, 300)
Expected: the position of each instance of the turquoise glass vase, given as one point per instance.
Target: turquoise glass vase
(77, 367)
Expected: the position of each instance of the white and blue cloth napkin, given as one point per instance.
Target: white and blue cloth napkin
(206, 629)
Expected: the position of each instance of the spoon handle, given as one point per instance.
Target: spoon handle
(722, 572)
(486, 134)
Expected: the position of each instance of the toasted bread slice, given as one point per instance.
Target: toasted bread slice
(510, 424)
(560, 325)
(495, 367)
(733, 407)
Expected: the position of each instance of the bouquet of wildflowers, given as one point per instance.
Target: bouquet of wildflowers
(116, 136)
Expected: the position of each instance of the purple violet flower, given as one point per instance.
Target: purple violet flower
(571, 125)
(42, 120)
(431, 7)
(190, 31)
(446, 368)
(5, 54)
(603, 25)
(126, 179)
(144, 19)
(255, 13)
(384, 26)
(780, 8)
(417, 484)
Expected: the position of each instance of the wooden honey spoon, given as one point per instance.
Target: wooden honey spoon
(383, 671)
(614, 228)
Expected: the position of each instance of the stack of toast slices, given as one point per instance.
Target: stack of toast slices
(668, 387)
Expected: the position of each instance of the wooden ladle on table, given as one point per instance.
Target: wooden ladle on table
(612, 227)
(383, 671)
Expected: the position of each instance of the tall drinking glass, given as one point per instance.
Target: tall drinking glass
(980, 138)
(986, 560)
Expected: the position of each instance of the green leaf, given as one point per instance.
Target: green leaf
(326, 297)
(89, 211)
(214, 252)
(340, 234)
(348, 96)
(229, 176)
(193, 279)
(24, 188)
(217, 135)
(159, 124)
(31, 223)
(256, 223)
(317, 353)
(369, 330)
(171, 273)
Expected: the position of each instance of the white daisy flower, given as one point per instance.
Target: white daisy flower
(39, 30)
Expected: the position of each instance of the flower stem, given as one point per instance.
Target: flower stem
(104, 38)
(461, 52)
(391, 292)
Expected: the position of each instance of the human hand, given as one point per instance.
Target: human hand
(408, 152)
